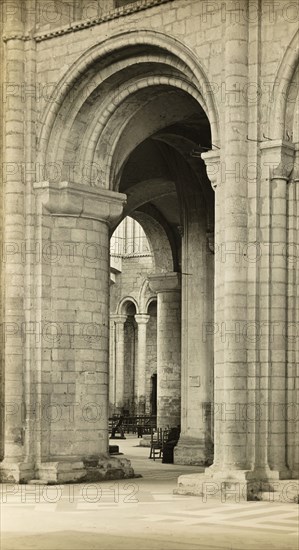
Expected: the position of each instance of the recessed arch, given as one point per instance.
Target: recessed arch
(171, 52)
(151, 300)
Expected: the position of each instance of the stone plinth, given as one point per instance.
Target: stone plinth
(226, 488)
(101, 468)
(193, 451)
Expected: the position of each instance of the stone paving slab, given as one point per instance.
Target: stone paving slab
(142, 513)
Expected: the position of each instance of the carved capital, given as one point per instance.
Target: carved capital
(141, 318)
(295, 173)
(164, 282)
(67, 199)
(212, 162)
(278, 157)
(118, 318)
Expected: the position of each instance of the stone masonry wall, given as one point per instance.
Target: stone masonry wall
(198, 25)
(130, 281)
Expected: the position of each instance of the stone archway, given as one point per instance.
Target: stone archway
(152, 75)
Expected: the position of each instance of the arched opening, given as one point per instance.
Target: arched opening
(131, 125)
(130, 381)
(156, 163)
(131, 261)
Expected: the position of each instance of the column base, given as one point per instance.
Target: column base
(145, 441)
(238, 486)
(101, 468)
(16, 472)
(194, 452)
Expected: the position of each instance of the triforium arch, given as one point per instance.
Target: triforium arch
(123, 306)
(122, 366)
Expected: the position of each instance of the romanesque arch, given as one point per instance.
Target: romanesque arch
(91, 129)
(85, 76)
(133, 127)
(284, 98)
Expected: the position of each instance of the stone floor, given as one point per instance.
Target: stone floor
(142, 514)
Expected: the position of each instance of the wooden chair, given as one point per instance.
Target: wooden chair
(157, 442)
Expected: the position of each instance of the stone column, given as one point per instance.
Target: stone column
(70, 360)
(231, 452)
(17, 464)
(167, 286)
(119, 382)
(278, 161)
(141, 321)
(112, 373)
(195, 445)
(293, 388)
(231, 457)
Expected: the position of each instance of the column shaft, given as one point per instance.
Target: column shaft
(167, 287)
(112, 373)
(141, 321)
(271, 428)
(119, 361)
(232, 447)
(14, 450)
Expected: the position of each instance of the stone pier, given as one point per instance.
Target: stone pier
(168, 289)
(69, 423)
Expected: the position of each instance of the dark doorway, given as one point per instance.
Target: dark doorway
(154, 395)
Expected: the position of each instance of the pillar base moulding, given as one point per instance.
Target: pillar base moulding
(98, 469)
(238, 486)
(193, 451)
(16, 472)
(102, 468)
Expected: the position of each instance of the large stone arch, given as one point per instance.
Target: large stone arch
(161, 247)
(66, 210)
(93, 69)
(280, 121)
